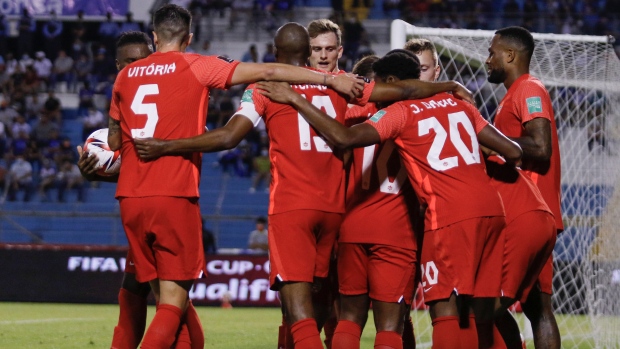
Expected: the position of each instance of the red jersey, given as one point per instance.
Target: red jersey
(381, 206)
(437, 142)
(164, 95)
(518, 191)
(526, 100)
(305, 173)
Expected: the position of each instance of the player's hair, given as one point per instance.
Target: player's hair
(419, 45)
(261, 219)
(400, 63)
(364, 66)
(292, 39)
(134, 37)
(520, 37)
(322, 26)
(171, 23)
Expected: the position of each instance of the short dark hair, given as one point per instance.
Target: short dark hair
(520, 37)
(134, 37)
(261, 220)
(400, 63)
(172, 22)
(364, 66)
(419, 45)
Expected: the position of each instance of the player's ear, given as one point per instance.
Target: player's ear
(118, 64)
(155, 40)
(510, 55)
(340, 50)
(437, 72)
(189, 38)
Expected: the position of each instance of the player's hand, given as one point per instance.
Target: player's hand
(349, 84)
(462, 92)
(149, 148)
(280, 92)
(87, 163)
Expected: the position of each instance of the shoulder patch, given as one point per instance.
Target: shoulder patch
(226, 59)
(534, 105)
(247, 96)
(378, 115)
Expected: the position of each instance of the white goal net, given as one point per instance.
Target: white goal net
(582, 74)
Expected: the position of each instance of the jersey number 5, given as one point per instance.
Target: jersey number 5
(304, 128)
(149, 109)
(470, 157)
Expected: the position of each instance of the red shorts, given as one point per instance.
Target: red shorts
(545, 278)
(300, 244)
(130, 266)
(529, 244)
(385, 272)
(464, 258)
(164, 235)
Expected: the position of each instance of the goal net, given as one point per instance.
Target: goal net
(582, 74)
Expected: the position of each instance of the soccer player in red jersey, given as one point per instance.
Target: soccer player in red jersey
(436, 138)
(325, 45)
(377, 248)
(162, 223)
(526, 115)
(307, 191)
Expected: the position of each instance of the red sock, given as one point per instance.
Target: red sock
(285, 338)
(306, 334)
(408, 335)
(328, 329)
(498, 341)
(194, 327)
(446, 332)
(347, 335)
(469, 335)
(388, 340)
(163, 328)
(131, 321)
(183, 341)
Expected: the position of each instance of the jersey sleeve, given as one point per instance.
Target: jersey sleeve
(479, 121)
(529, 102)
(356, 113)
(363, 99)
(389, 122)
(115, 112)
(253, 105)
(212, 71)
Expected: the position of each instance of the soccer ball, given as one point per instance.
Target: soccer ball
(109, 161)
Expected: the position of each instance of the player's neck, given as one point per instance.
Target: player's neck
(513, 76)
(170, 47)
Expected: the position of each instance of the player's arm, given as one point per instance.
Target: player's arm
(226, 137)
(494, 140)
(88, 167)
(417, 89)
(246, 73)
(334, 132)
(536, 144)
(114, 134)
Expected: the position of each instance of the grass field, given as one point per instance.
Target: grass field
(67, 326)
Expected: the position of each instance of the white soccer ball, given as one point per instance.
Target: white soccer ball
(109, 161)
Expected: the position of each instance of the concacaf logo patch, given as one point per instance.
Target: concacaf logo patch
(378, 115)
(247, 96)
(534, 105)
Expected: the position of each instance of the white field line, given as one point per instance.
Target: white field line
(40, 321)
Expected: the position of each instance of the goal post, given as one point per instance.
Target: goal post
(582, 75)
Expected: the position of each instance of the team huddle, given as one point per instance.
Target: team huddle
(382, 180)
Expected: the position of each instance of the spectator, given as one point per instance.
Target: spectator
(47, 177)
(52, 107)
(26, 28)
(33, 155)
(208, 240)
(44, 130)
(20, 174)
(7, 115)
(43, 67)
(34, 107)
(19, 144)
(86, 96)
(83, 68)
(69, 177)
(52, 32)
(3, 137)
(63, 65)
(108, 32)
(102, 67)
(258, 237)
(93, 121)
(30, 84)
(26, 61)
(205, 49)
(129, 24)
(262, 170)
(21, 125)
(251, 55)
(11, 63)
(270, 54)
(66, 152)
